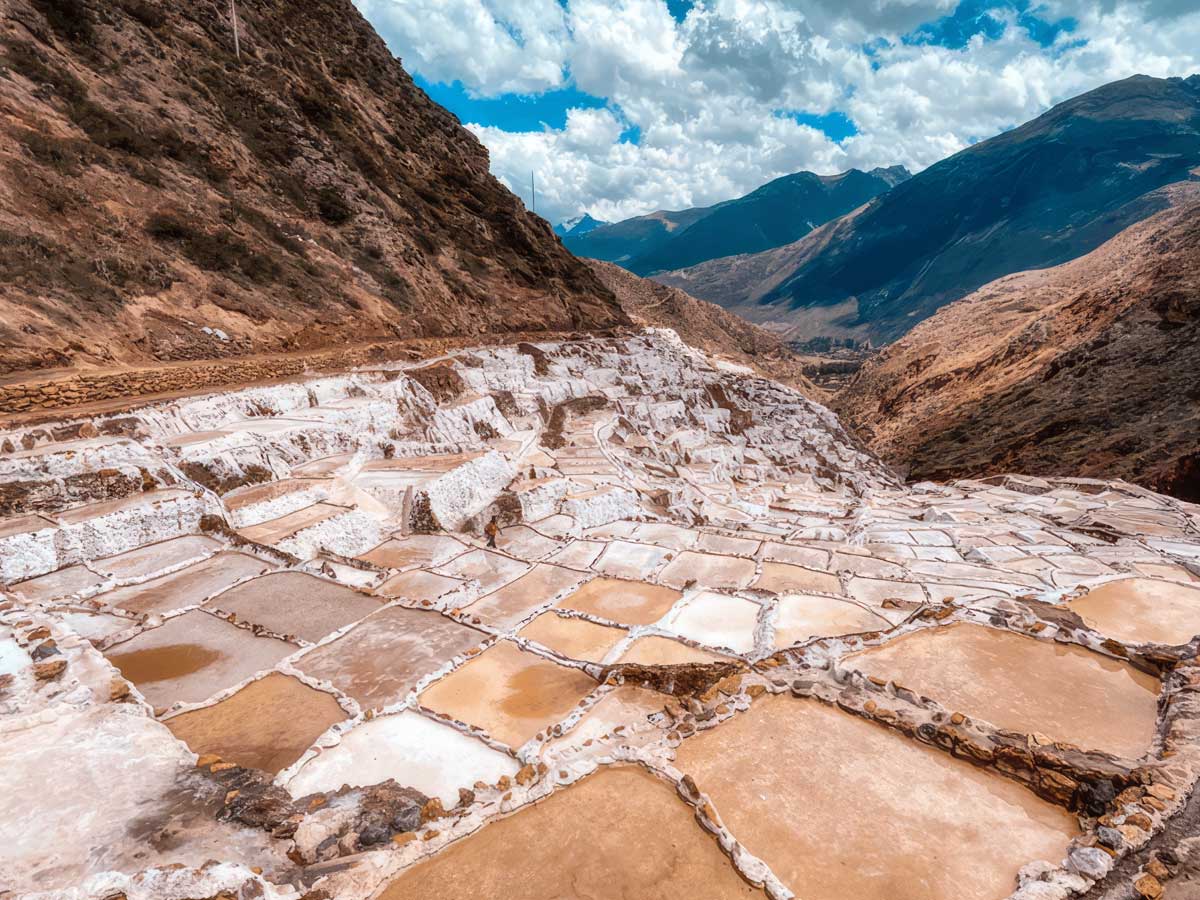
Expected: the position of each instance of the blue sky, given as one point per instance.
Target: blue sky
(625, 106)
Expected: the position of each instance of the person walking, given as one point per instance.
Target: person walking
(491, 529)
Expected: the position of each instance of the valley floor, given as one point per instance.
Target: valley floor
(264, 643)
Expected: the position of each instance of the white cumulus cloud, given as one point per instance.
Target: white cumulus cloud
(712, 100)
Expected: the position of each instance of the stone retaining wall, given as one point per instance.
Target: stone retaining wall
(77, 390)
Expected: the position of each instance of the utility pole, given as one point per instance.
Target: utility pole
(237, 47)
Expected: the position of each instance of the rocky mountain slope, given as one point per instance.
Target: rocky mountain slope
(1037, 196)
(165, 199)
(1090, 367)
(777, 213)
(705, 326)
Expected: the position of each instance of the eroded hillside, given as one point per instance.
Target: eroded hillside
(166, 199)
(1090, 368)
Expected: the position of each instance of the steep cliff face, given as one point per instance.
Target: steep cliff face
(165, 198)
(1090, 368)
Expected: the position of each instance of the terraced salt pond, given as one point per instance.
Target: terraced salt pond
(1141, 610)
(782, 578)
(618, 833)
(627, 602)
(653, 650)
(809, 789)
(716, 620)
(383, 657)
(708, 570)
(63, 583)
(294, 603)
(434, 758)
(514, 602)
(187, 587)
(414, 550)
(510, 693)
(193, 656)
(1023, 684)
(268, 724)
(380, 643)
(572, 637)
(803, 617)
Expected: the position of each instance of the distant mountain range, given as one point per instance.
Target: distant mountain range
(577, 226)
(1037, 196)
(777, 213)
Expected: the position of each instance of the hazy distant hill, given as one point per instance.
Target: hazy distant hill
(577, 226)
(776, 213)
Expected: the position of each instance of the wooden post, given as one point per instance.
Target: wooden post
(237, 47)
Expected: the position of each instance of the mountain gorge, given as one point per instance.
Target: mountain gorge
(169, 196)
(1036, 196)
(1089, 367)
(777, 213)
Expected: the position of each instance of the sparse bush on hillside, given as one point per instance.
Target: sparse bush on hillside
(145, 12)
(219, 251)
(69, 18)
(167, 226)
(332, 206)
(27, 60)
(64, 156)
(111, 131)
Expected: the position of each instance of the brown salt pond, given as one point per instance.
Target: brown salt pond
(802, 617)
(276, 530)
(843, 808)
(419, 585)
(382, 658)
(619, 833)
(781, 578)
(509, 693)
(708, 570)
(62, 583)
(191, 657)
(1139, 610)
(877, 591)
(572, 637)
(1023, 684)
(627, 602)
(271, 490)
(653, 650)
(491, 570)
(294, 603)
(154, 558)
(266, 725)
(187, 587)
(619, 714)
(81, 514)
(513, 602)
(416, 550)
(26, 524)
